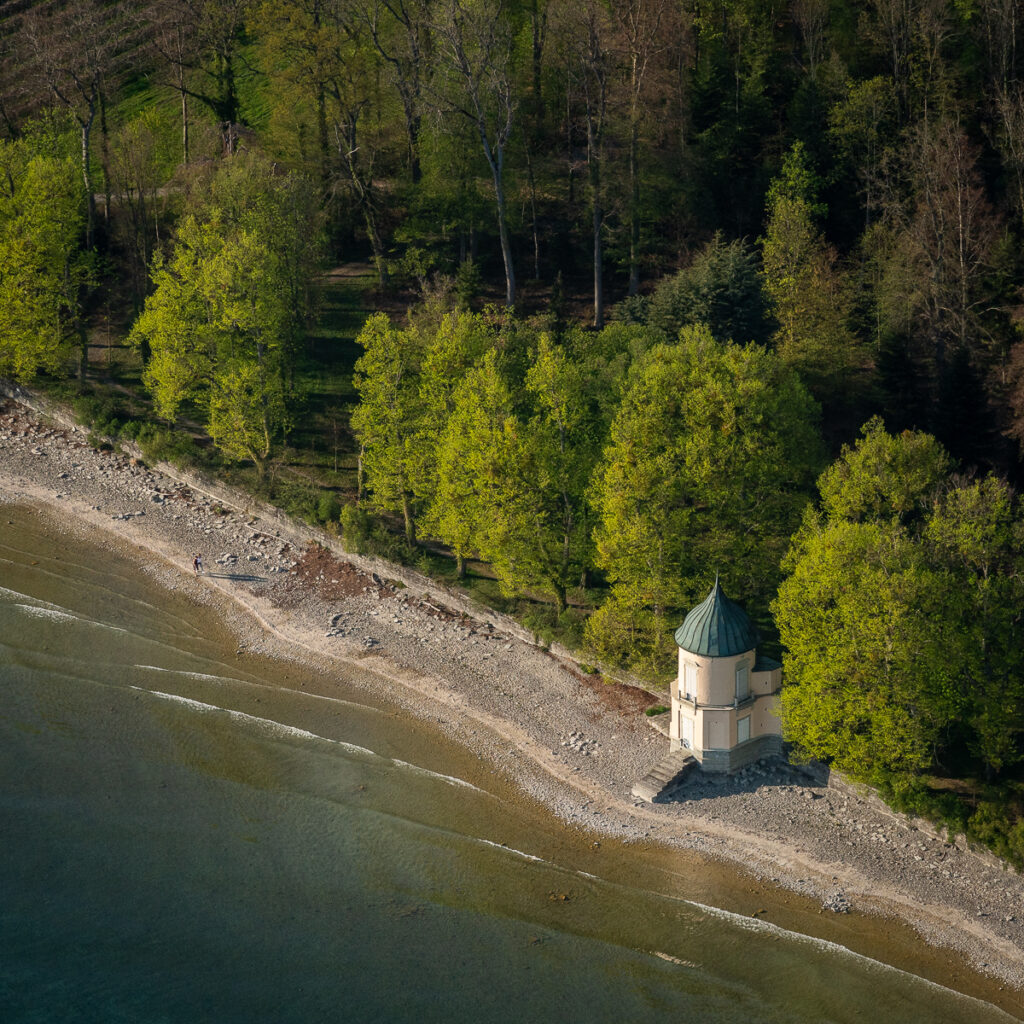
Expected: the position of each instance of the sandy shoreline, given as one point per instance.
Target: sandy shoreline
(575, 745)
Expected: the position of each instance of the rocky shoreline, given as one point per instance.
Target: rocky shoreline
(568, 739)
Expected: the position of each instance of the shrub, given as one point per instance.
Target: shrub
(161, 444)
(468, 283)
(631, 310)
(658, 709)
(101, 444)
(355, 528)
(101, 415)
(328, 508)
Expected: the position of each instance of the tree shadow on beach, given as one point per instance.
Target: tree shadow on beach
(237, 576)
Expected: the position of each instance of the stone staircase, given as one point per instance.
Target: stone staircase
(665, 775)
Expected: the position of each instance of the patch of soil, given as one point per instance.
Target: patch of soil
(619, 697)
(333, 580)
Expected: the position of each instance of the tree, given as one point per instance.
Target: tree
(585, 31)
(810, 299)
(537, 529)
(389, 413)
(223, 321)
(708, 467)
(862, 671)
(138, 163)
(647, 28)
(302, 42)
(859, 125)
(282, 210)
(355, 102)
(215, 327)
(42, 267)
(975, 534)
(459, 343)
(721, 288)
(738, 61)
(219, 25)
(900, 616)
(514, 469)
(884, 478)
(1010, 139)
(933, 247)
(466, 463)
(171, 33)
(475, 80)
(72, 49)
(400, 31)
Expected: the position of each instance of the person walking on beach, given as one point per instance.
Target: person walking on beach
(197, 564)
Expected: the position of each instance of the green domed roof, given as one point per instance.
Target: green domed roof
(717, 628)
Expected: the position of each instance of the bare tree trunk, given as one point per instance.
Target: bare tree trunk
(598, 218)
(410, 524)
(83, 353)
(324, 142)
(496, 161)
(90, 199)
(634, 210)
(533, 215)
(184, 126)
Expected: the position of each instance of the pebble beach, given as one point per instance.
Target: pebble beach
(568, 739)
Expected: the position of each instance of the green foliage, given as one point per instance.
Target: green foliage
(485, 435)
(710, 462)
(868, 685)
(389, 413)
(102, 415)
(468, 283)
(720, 289)
(798, 183)
(42, 268)
(227, 310)
(900, 617)
(884, 477)
(161, 444)
(328, 508)
(658, 709)
(215, 329)
(810, 298)
(634, 309)
(355, 528)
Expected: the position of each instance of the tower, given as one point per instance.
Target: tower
(724, 698)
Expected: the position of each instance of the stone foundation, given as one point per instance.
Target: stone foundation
(739, 756)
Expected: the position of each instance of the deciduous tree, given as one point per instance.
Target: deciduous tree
(708, 468)
(42, 267)
(223, 321)
(475, 79)
(901, 616)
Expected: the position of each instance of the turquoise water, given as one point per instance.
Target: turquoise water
(184, 839)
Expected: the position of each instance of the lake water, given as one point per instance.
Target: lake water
(189, 834)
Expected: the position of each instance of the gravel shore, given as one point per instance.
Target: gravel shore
(568, 739)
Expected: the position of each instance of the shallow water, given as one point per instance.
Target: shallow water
(188, 836)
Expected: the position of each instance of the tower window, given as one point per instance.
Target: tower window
(742, 683)
(689, 681)
(743, 729)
